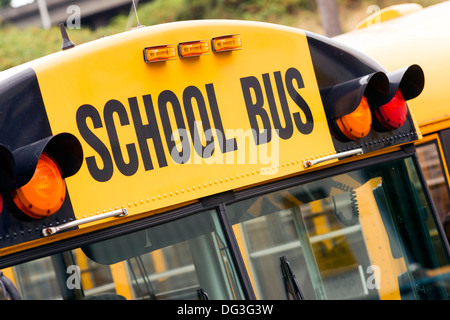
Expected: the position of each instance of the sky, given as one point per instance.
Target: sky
(19, 3)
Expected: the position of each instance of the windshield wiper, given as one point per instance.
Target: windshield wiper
(290, 282)
(202, 295)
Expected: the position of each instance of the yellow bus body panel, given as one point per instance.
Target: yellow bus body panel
(114, 69)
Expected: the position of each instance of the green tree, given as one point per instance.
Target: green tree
(4, 3)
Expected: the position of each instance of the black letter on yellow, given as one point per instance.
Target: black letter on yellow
(148, 131)
(307, 127)
(111, 107)
(101, 175)
(226, 145)
(286, 132)
(190, 93)
(256, 109)
(164, 98)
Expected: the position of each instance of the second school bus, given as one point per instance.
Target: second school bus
(407, 32)
(215, 160)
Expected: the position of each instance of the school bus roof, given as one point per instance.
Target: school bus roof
(421, 37)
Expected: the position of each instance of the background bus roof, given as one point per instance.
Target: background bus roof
(421, 37)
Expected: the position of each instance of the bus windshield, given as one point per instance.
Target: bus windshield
(359, 235)
(364, 234)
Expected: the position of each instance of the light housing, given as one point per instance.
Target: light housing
(159, 53)
(349, 105)
(39, 170)
(404, 84)
(44, 194)
(226, 43)
(193, 48)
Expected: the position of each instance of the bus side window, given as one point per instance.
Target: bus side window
(433, 167)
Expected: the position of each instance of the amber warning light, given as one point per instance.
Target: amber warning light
(44, 194)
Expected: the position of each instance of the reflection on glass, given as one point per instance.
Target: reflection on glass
(359, 235)
(434, 173)
(185, 259)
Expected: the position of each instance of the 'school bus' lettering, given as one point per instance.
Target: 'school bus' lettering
(254, 102)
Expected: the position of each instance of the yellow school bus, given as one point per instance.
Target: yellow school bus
(215, 160)
(407, 32)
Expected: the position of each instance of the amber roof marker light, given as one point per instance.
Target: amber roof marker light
(160, 53)
(226, 43)
(193, 48)
(188, 49)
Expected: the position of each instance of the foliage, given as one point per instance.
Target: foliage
(21, 45)
(4, 3)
